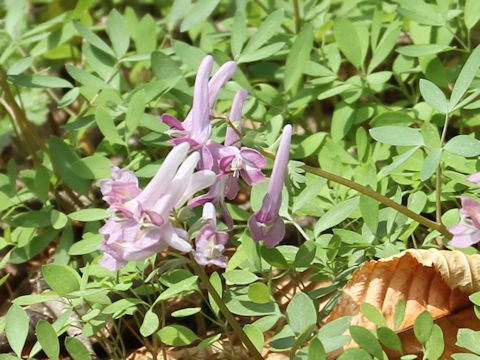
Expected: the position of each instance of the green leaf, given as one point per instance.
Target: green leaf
(150, 323)
(89, 215)
(61, 279)
(469, 339)
(176, 335)
(422, 50)
(389, 338)
(465, 78)
(76, 349)
(145, 35)
(348, 41)
(239, 33)
(39, 218)
(334, 341)
(178, 10)
(336, 215)
(421, 12)
(435, 344)
(20, 66)
(165, 68)
(399, 160)
(58, 219)
(386, 45)
(354, 354)
(259, 293)
(366, 340)
(239, 277)
(198, 13)
(269, 27)
(93, 167)
(309, 193)
(301, 313)
(107, 126)
(423, 327)
(47, 337)
(33, 248)
(86, 78)
(397, 135)
(217, 285)
(316, 351)
(39, 81)
(261, 53)
(399, 314)
(92, 38)
(16, 328)
(430, 164)
(434, 97)
(117, 30)
(186, 312)
(184, 285)
(459, 356)
(369, 211)
(373, 314)
(69, 97)
(86, 245)
(306, 254)
(309, 145)
(475, 298)
(122, 305)
(471, 13)
(333, 91)
(255, 335)
(463, 145)
(274, 257)
(136, 108)
(298, 56)
(63, 156)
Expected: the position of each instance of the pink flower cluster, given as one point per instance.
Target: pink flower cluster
(140, 224)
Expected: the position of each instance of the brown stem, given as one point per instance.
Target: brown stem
(383, 199)
(223, 308)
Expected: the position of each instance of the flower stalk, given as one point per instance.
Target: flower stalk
(200, 271)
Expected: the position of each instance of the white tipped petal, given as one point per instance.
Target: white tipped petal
(161, 181)
(199, 180)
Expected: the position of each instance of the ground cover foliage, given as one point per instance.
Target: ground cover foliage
(379, 203)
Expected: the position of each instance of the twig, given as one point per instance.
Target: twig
(383, 199)
(223, 308)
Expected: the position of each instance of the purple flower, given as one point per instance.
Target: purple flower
(266, 224)
(231, 136)
(215, 155)
(196, 128)
(247, 163)
(140, 227)
(123, 186)
(467, 231)
(209, 243)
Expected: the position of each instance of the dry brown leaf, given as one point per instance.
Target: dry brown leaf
(439, 281)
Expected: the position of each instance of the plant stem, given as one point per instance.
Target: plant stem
(379, 197)
(438, 183)
(298, 21)
(223, 308)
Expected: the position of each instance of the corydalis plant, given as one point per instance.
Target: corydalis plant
(266, 224)
(140, 224)
(230, 160)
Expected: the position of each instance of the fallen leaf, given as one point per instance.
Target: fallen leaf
(439, 281)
